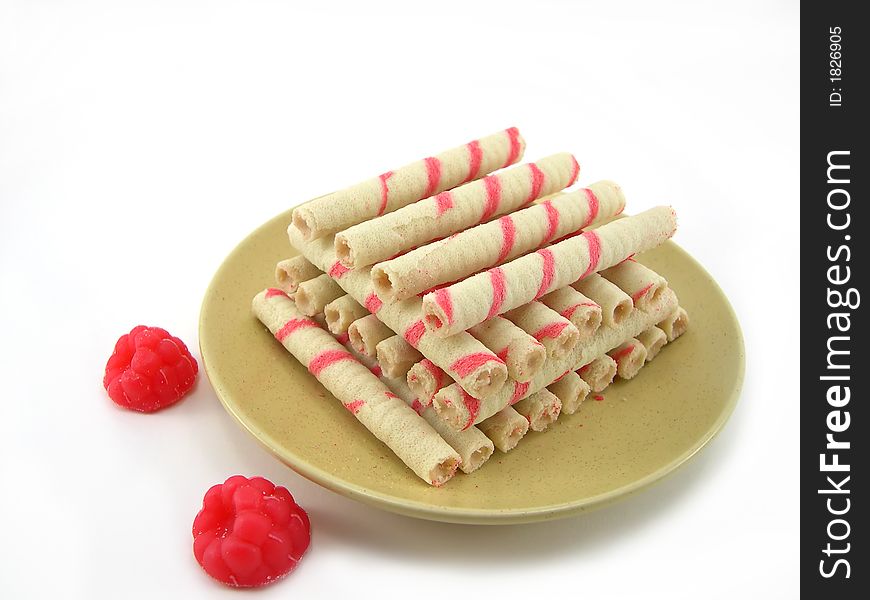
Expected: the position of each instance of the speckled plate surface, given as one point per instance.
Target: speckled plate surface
(641, 431)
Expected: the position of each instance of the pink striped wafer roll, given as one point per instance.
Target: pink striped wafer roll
(675, 324)
(313, 295)
(630, 356)
(452, 404)
(571, 390)
(455, 308)
(366, 333)
(540, 409)
(653, 339)
(341, 312)
(521, 352)
(425, 378)
(615, 304)
(599, 373)
(454, 210)
(642, 284)
(400, 187)
(583, 312)
(385, 415)
(289, 273)
(476, 368)
(505, 428)
(495, 242)
(397, 356)
(555, 332)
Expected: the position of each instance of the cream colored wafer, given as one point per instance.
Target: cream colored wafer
(675, 324)
(599, 373)
(571, 390)
(505, 428)
(313, 295)
(389, 419)
(290, 272)
(642, 284)
(455, 308)
(555, 332)
(630, 356)
(465, 359)
(540, 409)
(396, 356)
(615, 303)
(457, 409)
(400, 187)
(495, 242)
(653, 339)
(341, 312)
(454, 210)
(522, 353)
(584, 313)
(425, 378)
(366, 333)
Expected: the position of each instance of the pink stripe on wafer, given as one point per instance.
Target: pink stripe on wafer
(414, 333)
(594, 252)
(514, 135)
(575, 171)
(520, 390)
(503, 353)
(548, 271)
(342, 338)
(377, 371)
(572, 309)
(508, 237)
(354, 406)
(472, 404)
(497, 280)
(622, 353)
(537, 183)
(552, 220)
(384, 191)
(436, 372)
(417, 406)
(442, 299)
(291, 326)
(272, 292)
(592, 201)
(552, 331)
(493, 196)
(338, 270)
(641, 293)
(373, 304)
(389, 394)
(443, 203)
(466, 365)
(433, 173)
(475, 156)
(328, 358)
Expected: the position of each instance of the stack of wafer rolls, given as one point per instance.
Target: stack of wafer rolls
(488, 302)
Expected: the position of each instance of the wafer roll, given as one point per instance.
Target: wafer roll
(642, 284)
(571, 390)
(289, 273)
(465, 359)
(454, 407)
(465, 304)
(522, 353)
(341, 312)
(599, 373)
(425, 378)
(495, 242)
(505, 428)
(615, 304)
(313, 295)
(400, 187)
(392, 421)
(366, 333)
(453, 210)
(551, 329)
(653, 339)
(630, 357)
(583, 312)
(675, 324)
(396, 356)
(541, 409)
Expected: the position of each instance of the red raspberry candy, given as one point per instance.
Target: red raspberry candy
(149, 370)
(249, 532)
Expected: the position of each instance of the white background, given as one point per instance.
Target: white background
(139, 142)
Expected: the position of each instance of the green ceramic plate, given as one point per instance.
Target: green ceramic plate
(641, 431)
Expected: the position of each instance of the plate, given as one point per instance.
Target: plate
(642, 430)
